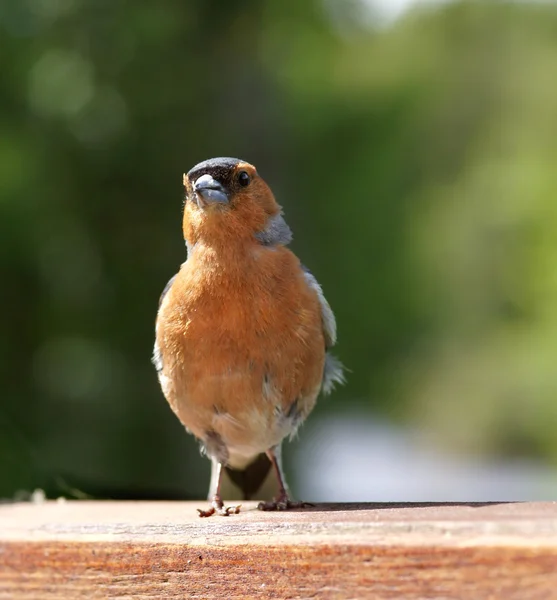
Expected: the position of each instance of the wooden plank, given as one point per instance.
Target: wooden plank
(163, 550)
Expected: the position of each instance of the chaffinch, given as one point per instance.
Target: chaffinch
(242, 332)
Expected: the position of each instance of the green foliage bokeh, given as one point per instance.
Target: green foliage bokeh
(415, 164)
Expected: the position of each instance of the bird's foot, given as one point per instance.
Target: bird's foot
(283, 502)
(217, 508)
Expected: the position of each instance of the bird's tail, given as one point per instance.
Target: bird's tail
(254, 481)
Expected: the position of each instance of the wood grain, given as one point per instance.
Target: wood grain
(163, 550)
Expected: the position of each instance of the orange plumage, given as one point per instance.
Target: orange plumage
(243, 329)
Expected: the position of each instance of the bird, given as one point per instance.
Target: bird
(243, 333)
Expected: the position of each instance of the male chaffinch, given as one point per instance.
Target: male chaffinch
(242, 332)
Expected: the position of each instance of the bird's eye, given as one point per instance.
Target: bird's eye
(243, 178)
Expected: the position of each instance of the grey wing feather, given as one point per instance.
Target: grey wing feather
(334, 371)
(166, 288)
(329, 322)
(157, 357)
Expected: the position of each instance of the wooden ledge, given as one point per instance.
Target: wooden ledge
(163, 549)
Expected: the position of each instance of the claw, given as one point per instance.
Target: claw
(219, 509)
(283, 503)
(207, 513)
(226, 511)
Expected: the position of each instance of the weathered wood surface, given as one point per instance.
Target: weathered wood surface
(163, 550)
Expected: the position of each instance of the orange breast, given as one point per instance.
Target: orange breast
(241, 340)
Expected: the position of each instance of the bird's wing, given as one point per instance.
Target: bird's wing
(333, 372)
(327, 316)
(166, 288)
(157, 357)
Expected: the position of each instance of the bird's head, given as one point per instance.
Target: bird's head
(226, 198)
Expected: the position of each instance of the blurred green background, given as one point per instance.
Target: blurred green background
(416, 163)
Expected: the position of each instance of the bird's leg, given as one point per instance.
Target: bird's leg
(282, 501)
(217, 505)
